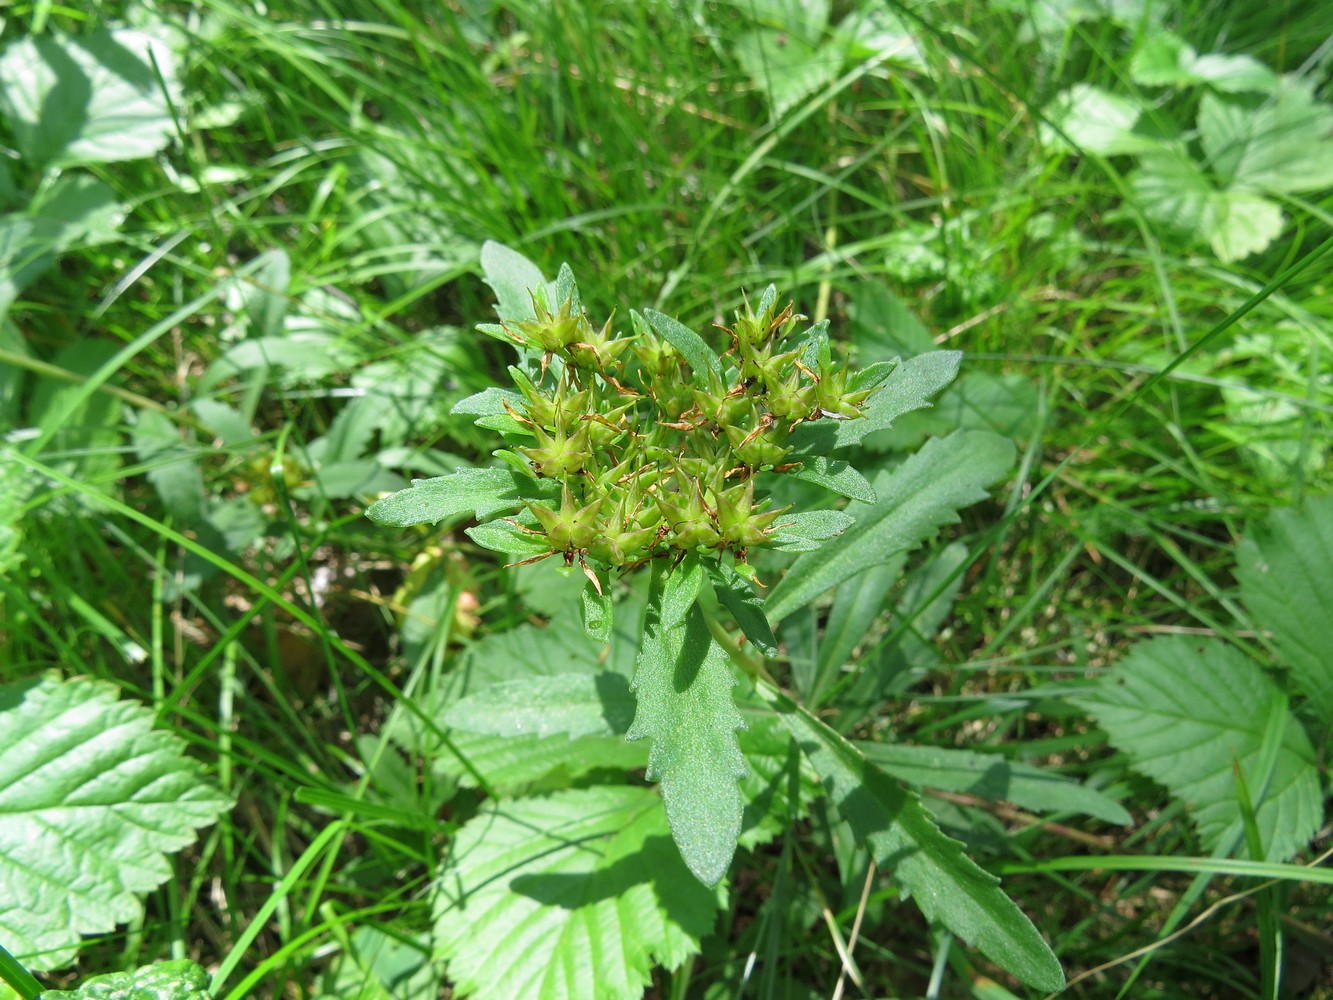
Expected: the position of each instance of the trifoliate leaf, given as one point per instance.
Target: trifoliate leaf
(1186, 711)
(918, 497)
(571, 897)
(683, 683)
(176, 980)
(1286, 580)
(92, 799)
(481, 492)
(947, 886)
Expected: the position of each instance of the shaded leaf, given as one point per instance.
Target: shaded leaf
(683, 683)
(576, 895)
(892, 824)
(175, 980)
(91, 99)
(992, 776)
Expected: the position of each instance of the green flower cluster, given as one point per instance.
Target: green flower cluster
(653, 455)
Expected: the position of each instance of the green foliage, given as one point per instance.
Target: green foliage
(179, 980)
(574, 894)
(94, 798)
(1210, 724)
(241, 253)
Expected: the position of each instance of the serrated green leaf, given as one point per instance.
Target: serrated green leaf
(787, 68)
(513, 278)
(836, 475)
(92, 797)
(1286, 580)
(947, 886)
(488, 407)
(175, 980)
(697, 354)
(683, 683)
(745, 606)
(570, 897)
(993, 776)
(1163, 59)
(807, 530)
(680, 590)
(599, 704)
(1184, 710)
(480, 492)
(1237, 224)
(1095, 121)
(1172, 189)
(910, 387)
(915, 499)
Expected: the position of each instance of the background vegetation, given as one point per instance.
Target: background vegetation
(238, 314)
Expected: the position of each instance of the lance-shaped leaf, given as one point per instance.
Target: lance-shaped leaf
(915, 500)
(891, 822)
(836, 475)
(693, 348)
(481, 492)
(574, 895)
(738, 596)
(91, 797)
(910, 387)
(683, 683)
(1188, 712)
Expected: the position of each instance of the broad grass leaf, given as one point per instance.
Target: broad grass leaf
(992, 776)
(915, 500)
(481, 492)
(1286, 580)
(683, 683)
(947, 886)
(91, 99)
(574, 896)
(92, 798)
(1185, 711)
